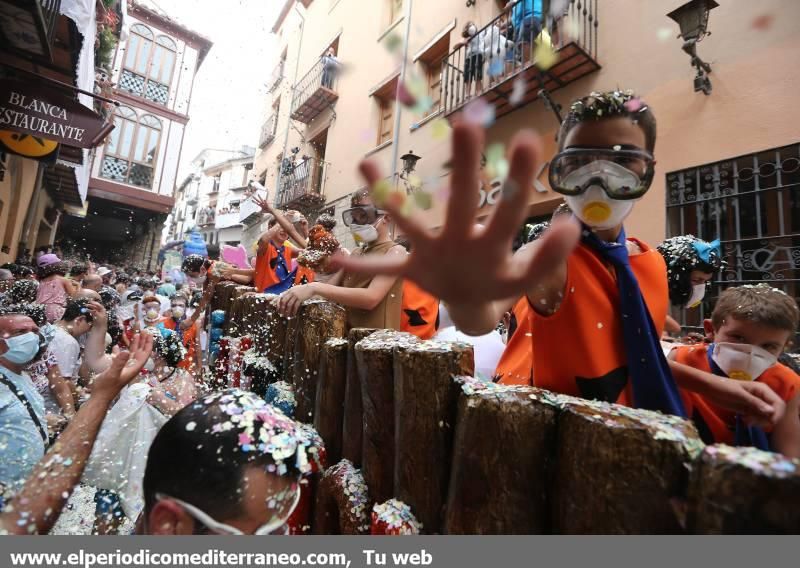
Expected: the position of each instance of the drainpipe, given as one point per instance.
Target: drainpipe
(291, 104)
(397, 106)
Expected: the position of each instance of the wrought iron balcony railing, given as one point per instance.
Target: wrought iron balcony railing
(268, 130)
(302, 184)
(316, 91)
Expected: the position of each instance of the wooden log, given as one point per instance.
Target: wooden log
(342, 505)
(318, 321)
(743, 491)
(620, 470)
(329, 403)
(290, 339)
(503, 459)
(353, 425)
(394, 518)
(375, 363)
(424, 405)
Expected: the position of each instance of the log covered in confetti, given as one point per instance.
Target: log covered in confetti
(620, 470)
(352, 425)
(425, 408)
(343, 502)
(375, 363)
(329, 403)
(318, 320)
(503, 460)
(744, 491)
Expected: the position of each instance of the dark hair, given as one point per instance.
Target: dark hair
(76, 308)
(327, 221)
(123, 278)
(213, 251)
(360, 195)
(194, 263)
(109, 297)
(600, 106)
(194, 459)
(59, 268)
(169, 347)
(147, 284)
(34, 311)
(77, 269)
(682, 257)
(177, 296)
(20, 270)
(23, 292)
(760, 304)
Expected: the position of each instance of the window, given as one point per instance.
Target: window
(752, 205)
(385, 100)
(131, 152)
(432, 60)
(149, 63)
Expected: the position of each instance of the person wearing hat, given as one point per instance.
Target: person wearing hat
(54, 288)
(105, 273)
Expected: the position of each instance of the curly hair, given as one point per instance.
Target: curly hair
(682, 255)
(193, 263)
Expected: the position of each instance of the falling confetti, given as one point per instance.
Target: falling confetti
(381, 191)
(518, 91)
(423, 200)
(544, 55)
(496, 163)
(394, 43)
(479, 113)
(663, 34)
(440, 129)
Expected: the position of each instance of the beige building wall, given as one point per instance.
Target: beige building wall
(752, 107)
(20, 181)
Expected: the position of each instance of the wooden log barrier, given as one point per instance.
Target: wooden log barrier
(290, 339)
(343, 502)
(424, 404)
(503, 459)
(743, 491)
(318, 321)
(235, 327)
(353, 425)
(375, 363)
(220, 300)
(620, 470)
(329, 403)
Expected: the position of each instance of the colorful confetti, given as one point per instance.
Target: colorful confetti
(544, 54)
(423, 200)
(518, 91)
(479, 113)
(440, 129)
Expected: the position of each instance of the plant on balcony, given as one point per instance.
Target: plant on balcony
(104, 47)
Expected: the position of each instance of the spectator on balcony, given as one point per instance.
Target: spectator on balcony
(370, 301)
(526, 17)
(330, 67)
(473, 64)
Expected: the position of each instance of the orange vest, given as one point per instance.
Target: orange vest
(419, 312)
(189, 342)
(516, 365)
(718, 424)
(579, 349)
(265, 268)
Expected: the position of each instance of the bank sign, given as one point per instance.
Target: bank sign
(44, 112)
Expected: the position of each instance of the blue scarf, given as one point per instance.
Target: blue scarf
(744, 435)
(654, 387)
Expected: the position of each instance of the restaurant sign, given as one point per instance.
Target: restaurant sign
(44, 112)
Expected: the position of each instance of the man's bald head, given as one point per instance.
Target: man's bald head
(90, 294)
(93, 282)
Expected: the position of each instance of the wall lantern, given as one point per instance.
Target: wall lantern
(692, 18)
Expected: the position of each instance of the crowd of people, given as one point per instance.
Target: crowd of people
(102, 369)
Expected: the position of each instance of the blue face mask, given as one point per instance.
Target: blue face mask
(21, 348)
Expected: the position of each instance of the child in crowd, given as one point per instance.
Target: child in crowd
(749, 328)
(54, 287)
(691, 264)
(598, 299)
(370, 301)
(188, 338)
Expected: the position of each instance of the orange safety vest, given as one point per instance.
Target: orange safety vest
(716, 424)
(189, 342)
(579, 349)
(267, 262)
(419, 313)
(516, 365)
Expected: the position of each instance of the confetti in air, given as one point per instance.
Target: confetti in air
(544, 55)
(394, 43)
(663, 34)
(381, 191)
(479, 113)
(440, 129)
(423, 200)
(517, 91)
(496, 162)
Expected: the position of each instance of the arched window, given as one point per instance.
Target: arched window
(131, 152)
(149, 64)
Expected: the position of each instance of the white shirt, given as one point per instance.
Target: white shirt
(487, 348)
(67, 351)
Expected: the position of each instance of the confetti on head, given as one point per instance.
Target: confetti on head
(683, 254)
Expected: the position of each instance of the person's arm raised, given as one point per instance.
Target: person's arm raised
(95, 351)
(266, 207)
(472, 269)
(59, 471)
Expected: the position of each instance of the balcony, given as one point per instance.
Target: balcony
(268, 130)
(28, 26)
(276, 77)
(302, 185)
(505, 62)
(206, 217)
(315, 92)
(229, 218)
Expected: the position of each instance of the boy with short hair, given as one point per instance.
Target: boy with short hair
(189, 337)
(749, 329)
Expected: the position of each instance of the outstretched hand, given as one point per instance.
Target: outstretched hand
(263, 202)
(464, 263)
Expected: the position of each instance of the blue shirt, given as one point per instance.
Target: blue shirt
(525, 9)
(21, 445)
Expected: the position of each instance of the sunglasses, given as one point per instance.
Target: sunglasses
(622, 174)
(222, 528)
(361, 215)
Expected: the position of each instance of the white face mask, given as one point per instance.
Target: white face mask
(698, 293)
(151, 314)
(742, 362)
(364, 233)
(594, 207)
(178, 312)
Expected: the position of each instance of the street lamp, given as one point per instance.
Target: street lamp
(409, 162)
(692, 18)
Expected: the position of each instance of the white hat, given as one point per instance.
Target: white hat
(102, 271)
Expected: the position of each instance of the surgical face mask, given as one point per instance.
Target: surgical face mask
(178, 312)
(151, 314)
(741, 361)
(597, 210)
(698, 293)
(22, 348)
(364, 233)
(221, 528)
